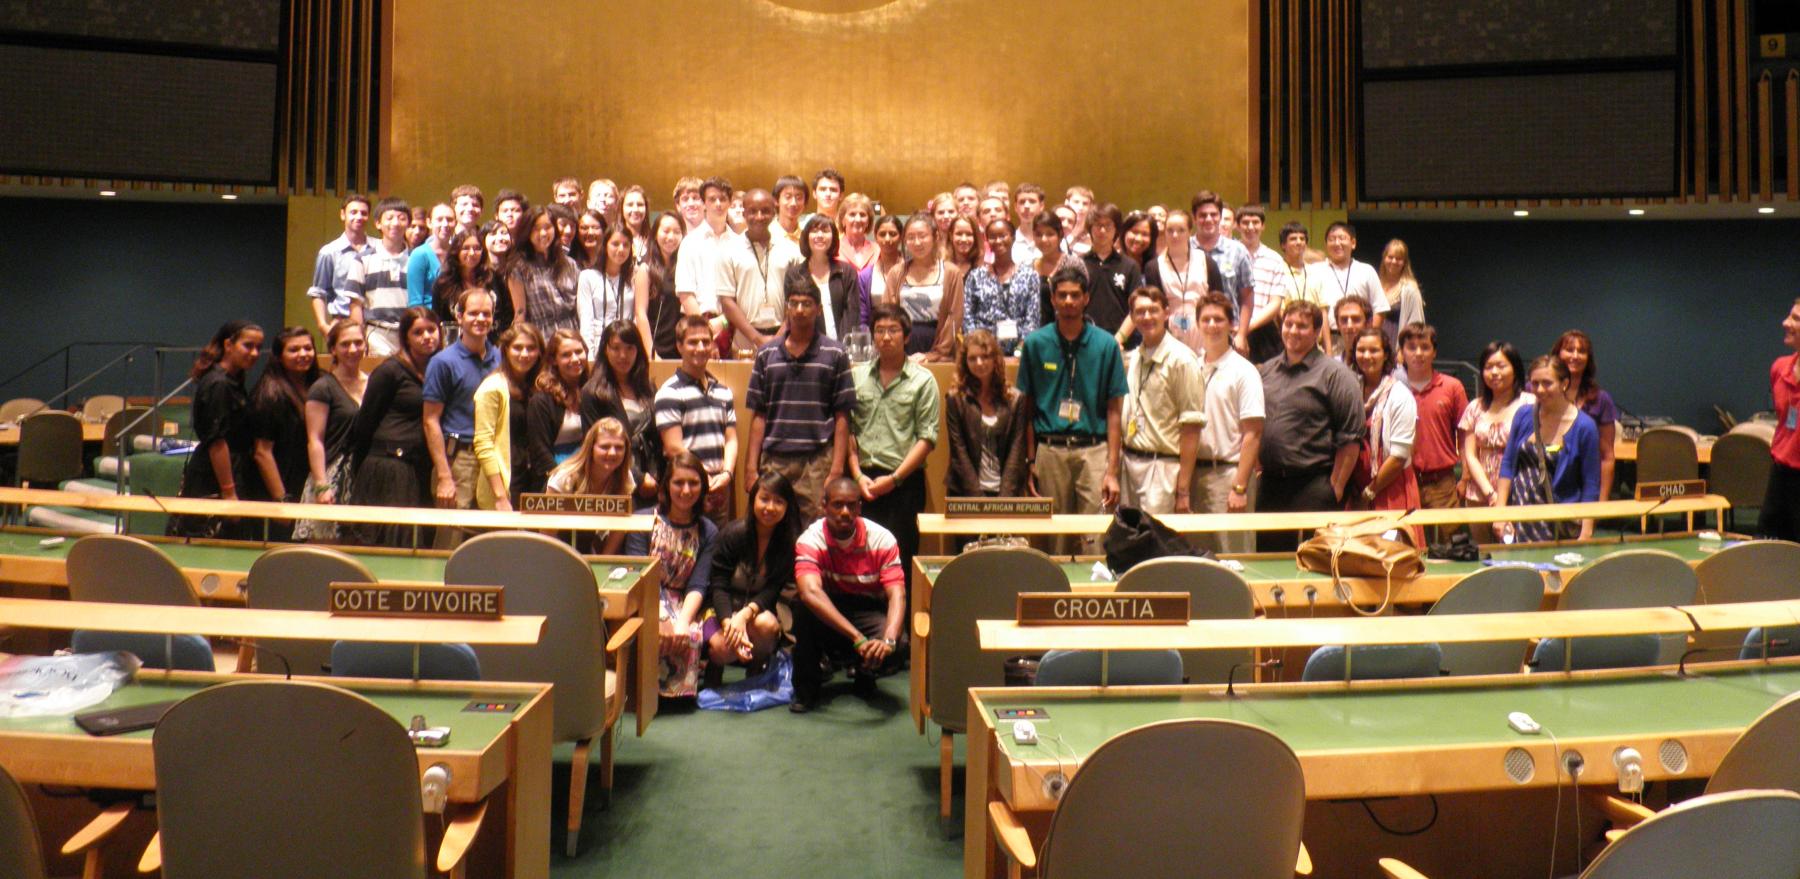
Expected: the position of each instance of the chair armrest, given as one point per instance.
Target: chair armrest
(1303, 863)
(921, 625)
(1622, 813)
(1397, 869)
(623, 634)
(151, 862)
(246, 656)
(462, 823)
(1011, 835)
(98, 829)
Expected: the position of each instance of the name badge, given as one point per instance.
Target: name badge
(1069, 410)
(1793, 419)
(1006, 330)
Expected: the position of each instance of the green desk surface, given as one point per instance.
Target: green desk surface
(1258, 570)
(385, 566)
(468, 730)
(1414, 717)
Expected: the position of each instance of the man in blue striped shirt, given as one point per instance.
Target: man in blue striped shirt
(694, 414)
(800, 398)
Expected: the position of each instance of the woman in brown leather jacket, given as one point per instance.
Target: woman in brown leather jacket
(987, 422)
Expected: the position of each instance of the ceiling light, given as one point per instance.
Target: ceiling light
(229, 196)
(1636, 212)
(1765, 210)
(1521, 213)
(107, 193)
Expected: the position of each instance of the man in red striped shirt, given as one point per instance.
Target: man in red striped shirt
(853, 597)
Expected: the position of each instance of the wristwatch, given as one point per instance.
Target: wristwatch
(1240, 489)
(889, 642)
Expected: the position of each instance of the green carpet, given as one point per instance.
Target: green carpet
(849, 790)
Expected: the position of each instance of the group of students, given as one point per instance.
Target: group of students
(1146, 377)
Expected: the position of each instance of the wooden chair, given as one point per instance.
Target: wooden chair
(49, 449)
(22, 856)
(1216, 797)
(1739, 471)
(129, 570)
(1497, 589)
(1755, 570)
(19, 407)
(1668, 454)
(543, 576)
(1753, 834)
(981, 584)
(1215, 592)
(1109, 668)
(1631, 578)
(317, 781)
(100, 407)
(115, 440)
(296, 578)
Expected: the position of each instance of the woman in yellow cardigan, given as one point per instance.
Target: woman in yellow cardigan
(500, 415)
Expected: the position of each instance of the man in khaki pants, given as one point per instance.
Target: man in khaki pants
(1075, 377)
(1162, 414)
(1231, 439)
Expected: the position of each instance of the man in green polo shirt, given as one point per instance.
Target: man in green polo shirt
(896, 424)
(1074, 376)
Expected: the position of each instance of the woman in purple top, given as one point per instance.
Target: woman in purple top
(1576, 351)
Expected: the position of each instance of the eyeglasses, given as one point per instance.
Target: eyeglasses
(886, 331)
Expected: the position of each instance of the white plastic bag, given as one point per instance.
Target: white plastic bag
(43, 686)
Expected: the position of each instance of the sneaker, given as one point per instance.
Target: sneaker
(802, 706)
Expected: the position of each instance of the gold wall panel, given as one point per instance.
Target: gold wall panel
(1145, 102)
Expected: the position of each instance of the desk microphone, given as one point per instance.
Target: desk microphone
(1231, 676)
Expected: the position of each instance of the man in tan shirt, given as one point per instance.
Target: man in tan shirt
(1162, 414)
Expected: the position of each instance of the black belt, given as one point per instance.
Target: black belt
(1070, 440)
(1155, 456)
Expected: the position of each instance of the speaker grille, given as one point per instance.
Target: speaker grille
(1519, 765)
(1674, 757)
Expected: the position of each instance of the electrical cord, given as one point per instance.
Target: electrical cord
(1376, 820)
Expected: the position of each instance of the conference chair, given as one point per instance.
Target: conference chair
(1632, 578)
(1765, 430)
(1497, 589)
(100, 407)
(116, 441)
(19, 407)
(1215, 592)
(425, 662)
(296, 578)
(1374, 662)
(129, 570)
(22, 856)
(1668, 454)
(317, 781)
(1751, 834)
(1739, 471)
(1755, 570)
(1216, 797)
(543, 576)
(980, 584)
(49, 449)
(1109, 668)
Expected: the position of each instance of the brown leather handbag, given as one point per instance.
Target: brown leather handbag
(1362, 549)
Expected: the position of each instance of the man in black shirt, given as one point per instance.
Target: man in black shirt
(1313, 428)
(1112, 276)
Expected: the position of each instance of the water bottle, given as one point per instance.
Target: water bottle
(859, 345)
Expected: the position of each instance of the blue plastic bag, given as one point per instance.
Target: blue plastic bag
(772, 687)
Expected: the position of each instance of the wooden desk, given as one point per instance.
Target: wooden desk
(241, 622)
(216, 571)
(1383, 738)
(91, 432)
(488, 753)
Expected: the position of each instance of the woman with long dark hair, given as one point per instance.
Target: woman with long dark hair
(682, 540)
(889, 229)
(839, 294)
(500, 405)
(621, 383)
(1576, 351)
(1384, 478)
(930, 290)
(590, 230)
(387, 440)
(653, 286)
(278, 423)
(1486, 427)
(543, 278)
(221, 414)
(561, 408)
(466, 267)
(604, 293)
(634, 213)
(497, 238)
(1552, 456)
(331, 405)
(753, 561)
(1001, 298)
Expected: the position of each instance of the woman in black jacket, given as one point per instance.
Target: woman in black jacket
(988, 423)
(835, 279)
(560, 411)
(752, 561)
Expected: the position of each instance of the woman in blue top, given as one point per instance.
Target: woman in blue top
(682, 539)
(1553, 456)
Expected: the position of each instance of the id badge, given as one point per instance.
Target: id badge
(1006, 331)
(1131, 429)
(1070, 410)
(1793, 419)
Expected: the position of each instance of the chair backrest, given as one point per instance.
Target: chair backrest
(1498, 589)
(1667, 453)
(100, 407)
(115, 441)
(437, 662)
(1740, 468)
(1216, 797)
(1763, 430)
(1118, 668)
(317, 781)
(981, 584)
(1215, 592)
(179, 652)
(49, 448)
(1770, 643)
(1762, 758)
(1374, 662)
(1635, 578)
(299, 578)
(1612, 651)
(1755, 570)
(543, 576)
(20, 853)
(18, 407)
(125, 570)
(1737, 835)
